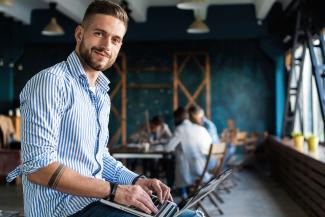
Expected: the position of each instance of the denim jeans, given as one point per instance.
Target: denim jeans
(98, 209)
(231, 150)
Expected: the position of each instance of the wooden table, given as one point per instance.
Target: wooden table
(138, 155)
(301, 172)
(126, 153)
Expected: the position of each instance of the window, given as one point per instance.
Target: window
(308, 117)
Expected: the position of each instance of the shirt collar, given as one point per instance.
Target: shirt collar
(77, 70)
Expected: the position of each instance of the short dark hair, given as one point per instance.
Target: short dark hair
(180, 115)
(107, 8)
(157, 120)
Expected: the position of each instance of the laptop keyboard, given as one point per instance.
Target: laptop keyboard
(165, 209)
(156, 201)
(168, 211)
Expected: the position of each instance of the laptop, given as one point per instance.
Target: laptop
(170, 209)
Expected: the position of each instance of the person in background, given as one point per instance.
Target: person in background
(187, 142)
(158, 132)
(7, 131)
(197, 116)
(229, 136)
(66, 167)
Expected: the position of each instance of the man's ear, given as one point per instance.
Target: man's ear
(78, 33)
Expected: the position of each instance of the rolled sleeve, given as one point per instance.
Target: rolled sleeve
(114, 171)
(41, 111)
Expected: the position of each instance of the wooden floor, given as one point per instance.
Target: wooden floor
(256, 195)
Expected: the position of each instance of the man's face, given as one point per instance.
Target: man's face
(231, 124)
(99, 41)
(154, 128)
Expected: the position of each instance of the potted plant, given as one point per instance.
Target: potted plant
(312, 142)
(298, 140)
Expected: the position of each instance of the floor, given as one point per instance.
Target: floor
(256, 195)
(11, 198)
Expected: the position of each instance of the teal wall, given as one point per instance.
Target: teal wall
(271, 48)
(10, 49)
(242, 80)
(6, 89)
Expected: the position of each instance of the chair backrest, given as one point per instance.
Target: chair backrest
(216, 151)
(205, 170)
(198, 183)
(219, 151)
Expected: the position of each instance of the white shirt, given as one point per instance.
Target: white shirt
(191, 142)
(192, 135)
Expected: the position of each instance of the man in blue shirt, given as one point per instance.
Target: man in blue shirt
(66, 167)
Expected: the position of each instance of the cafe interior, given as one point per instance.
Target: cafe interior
(253, 70)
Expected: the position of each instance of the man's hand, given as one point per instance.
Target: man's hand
(154, 185)
(134, 195)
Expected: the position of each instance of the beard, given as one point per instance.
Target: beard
(91, 62)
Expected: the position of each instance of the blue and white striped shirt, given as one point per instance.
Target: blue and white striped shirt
(64, 121)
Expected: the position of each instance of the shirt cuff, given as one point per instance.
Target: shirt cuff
(126, 176)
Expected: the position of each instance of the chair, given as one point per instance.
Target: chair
(217, 151)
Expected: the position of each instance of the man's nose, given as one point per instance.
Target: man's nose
(107, 44)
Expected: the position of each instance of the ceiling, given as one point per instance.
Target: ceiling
(21, 9)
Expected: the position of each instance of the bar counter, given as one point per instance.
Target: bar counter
(302, 173)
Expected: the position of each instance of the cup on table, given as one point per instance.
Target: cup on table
(146, 146)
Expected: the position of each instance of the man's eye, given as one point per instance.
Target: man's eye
(116, 40)
(99, 34)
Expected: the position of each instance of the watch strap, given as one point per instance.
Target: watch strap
(137, 178)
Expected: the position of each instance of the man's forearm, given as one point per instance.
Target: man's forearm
(68, 181)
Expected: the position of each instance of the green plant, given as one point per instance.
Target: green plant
(296, 134)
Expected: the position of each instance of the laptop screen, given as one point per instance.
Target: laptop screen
(206, 189)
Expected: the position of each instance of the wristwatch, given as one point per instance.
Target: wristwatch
(111, 196)
(138, 177)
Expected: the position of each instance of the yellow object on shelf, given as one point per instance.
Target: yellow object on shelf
(312, 143)
(298, 142)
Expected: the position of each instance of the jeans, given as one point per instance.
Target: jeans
(231, 150)
(98, 209)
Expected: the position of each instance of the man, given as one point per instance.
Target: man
(187, 142)
(159, 132)
(66, 167)
(153, 134)
(197, 116)
(230, 137)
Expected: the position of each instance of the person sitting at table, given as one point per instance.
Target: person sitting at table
(229, 136)
(158, 132)
(197, 116)
(187, 142)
